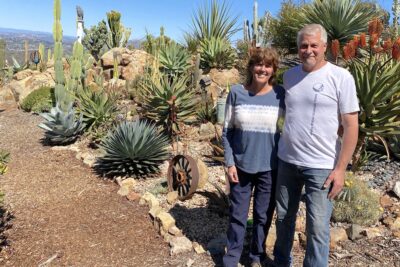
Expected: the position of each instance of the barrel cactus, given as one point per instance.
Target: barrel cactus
(133, 149)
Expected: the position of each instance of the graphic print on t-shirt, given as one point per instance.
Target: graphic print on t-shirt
(318, 87)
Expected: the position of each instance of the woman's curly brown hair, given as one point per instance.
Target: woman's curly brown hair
(267, 56)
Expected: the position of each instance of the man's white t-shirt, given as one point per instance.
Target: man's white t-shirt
(314, 102)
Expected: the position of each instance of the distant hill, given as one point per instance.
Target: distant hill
(15, 42)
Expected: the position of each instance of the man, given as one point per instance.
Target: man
(319, 98)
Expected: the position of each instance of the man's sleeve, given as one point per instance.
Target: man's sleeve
(348, 101)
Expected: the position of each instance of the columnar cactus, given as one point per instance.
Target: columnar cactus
(396, 14)
(118, 35)
(259, 36)
(2, 53)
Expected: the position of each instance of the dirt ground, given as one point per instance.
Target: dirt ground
(64, 215)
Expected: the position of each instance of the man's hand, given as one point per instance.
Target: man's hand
(336, 178)
(232, 174)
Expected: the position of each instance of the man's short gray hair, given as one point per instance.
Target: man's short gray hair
(312, 29)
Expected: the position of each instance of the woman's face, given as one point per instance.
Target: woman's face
(262, 72)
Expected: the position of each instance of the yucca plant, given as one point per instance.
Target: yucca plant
(213, 20)
(133, 149)
(62, 127)
(341, 18)
(207, 112)
(96, 107)
(217, 53)
(376, 70)
(169, 101)
(174, 59)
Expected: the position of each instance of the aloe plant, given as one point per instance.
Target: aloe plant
(174, 59)
(217, 53)
(96, 107)
(133, 149)
(169, 101)
(376, 71)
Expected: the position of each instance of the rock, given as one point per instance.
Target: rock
(300, 224)
(149, 199)
(166, 220)
(386, 201)
(388, 221)
(271, 238)
(396, 225)
(396, 234)
(220, 80)
(172, 197)
(372, 232)
(396, 189)
(354, 232)
(337, 235)
(154, 211)
(198, 248)
(129, 182)
(203, 173)
(175, 231)
(133, 196)
(206, 129)
(180, 244)
(130, 62)
(217, 245)
(7, 96)
(189, 263)
(123, 191)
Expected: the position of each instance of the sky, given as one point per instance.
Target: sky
(139, 15)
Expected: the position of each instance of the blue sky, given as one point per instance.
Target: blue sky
(139, 15)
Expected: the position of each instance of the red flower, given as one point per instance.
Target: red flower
(387, 45)
(375, 26)
(363, 40)
(396, 50)
(335, 47)
(373, 39)
(356, 40)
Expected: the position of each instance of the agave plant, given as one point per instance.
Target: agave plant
(174, 59)
(133, 149)
(62, 127)
(376, 71)
(217, 53)
(341, 18)
(96, 107)
(168, 101)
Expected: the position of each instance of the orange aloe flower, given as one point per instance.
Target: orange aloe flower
(373, 39)
(356, 40)
(396, 50)
(335, 47)
(347, 51)
(375, 26)
(387, 45)
(363, 40)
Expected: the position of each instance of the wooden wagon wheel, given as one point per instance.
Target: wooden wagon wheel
(183, 176)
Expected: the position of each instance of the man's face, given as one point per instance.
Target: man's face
(312, 51)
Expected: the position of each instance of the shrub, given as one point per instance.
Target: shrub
(217, 53)
(40, 100)
(133, 149)
(357, 203)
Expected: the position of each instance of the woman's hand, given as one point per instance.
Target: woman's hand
(232, 174)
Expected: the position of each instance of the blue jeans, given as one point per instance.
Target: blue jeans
(263, 210)
(291, 179)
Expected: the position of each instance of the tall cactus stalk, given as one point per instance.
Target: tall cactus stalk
(74, 81)
(26, 47)
(255, 22)
(61, 95)
(2, 53)
(396, 15)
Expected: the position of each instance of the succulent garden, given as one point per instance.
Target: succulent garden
(150, 117)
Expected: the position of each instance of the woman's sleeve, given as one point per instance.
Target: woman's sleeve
(228, 130)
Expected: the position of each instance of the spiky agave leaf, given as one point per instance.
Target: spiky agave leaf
(174, 59)
(133, 149)
(61, 126)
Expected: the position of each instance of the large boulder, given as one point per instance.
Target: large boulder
(130, 62)
(23, 83)
(220, 79)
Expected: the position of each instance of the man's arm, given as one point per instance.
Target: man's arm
(349, 142)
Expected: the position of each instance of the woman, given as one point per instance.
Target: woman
(250, 138)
